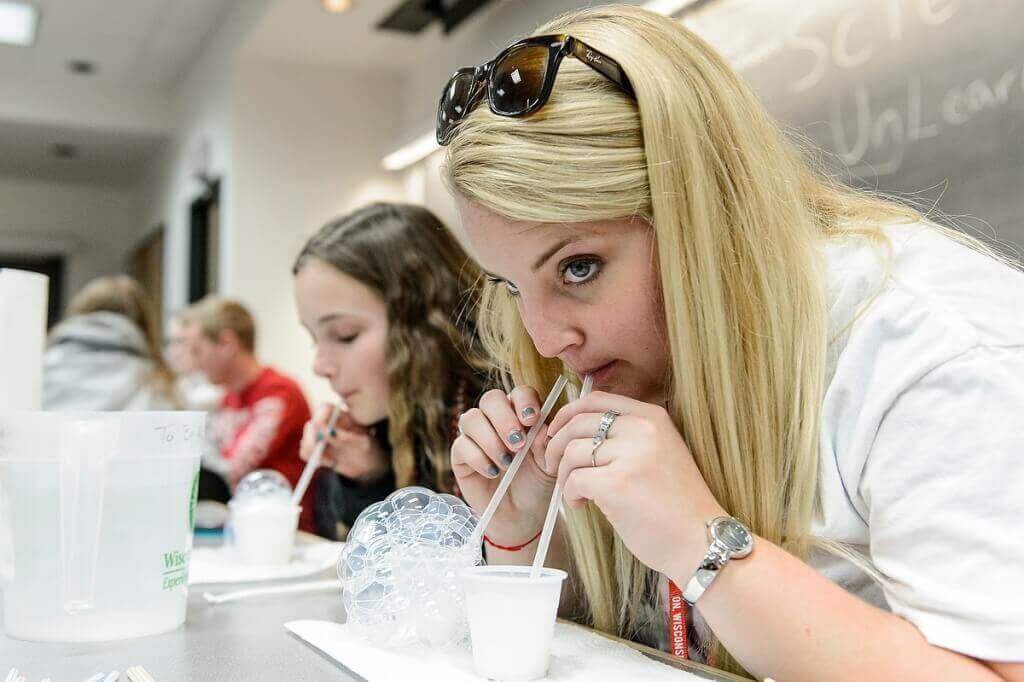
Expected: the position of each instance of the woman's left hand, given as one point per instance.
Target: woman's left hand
(643, 478)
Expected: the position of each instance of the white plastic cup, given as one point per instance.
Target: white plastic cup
(264, 532)
(511, 619)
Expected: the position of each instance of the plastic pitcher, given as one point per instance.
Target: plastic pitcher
(96, 519)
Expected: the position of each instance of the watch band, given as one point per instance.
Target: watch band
(715, 559)
(730, 539)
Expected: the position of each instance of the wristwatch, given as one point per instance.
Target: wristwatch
(730, 539)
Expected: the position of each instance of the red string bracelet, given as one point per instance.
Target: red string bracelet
(514, 548)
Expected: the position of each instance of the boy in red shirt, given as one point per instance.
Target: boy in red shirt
(259, 425)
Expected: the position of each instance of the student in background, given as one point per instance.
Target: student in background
(259, 424)
(105, 355)
(386, 294)
(196, 391)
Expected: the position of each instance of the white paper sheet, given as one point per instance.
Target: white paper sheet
(23, 298)
(577, 654)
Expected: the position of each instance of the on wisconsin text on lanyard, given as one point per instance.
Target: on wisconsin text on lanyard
(677, 621)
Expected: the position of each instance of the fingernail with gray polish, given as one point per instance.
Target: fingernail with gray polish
(507, 459)
(334, 433)
(493, 471)
(515, 438)
(529, 412)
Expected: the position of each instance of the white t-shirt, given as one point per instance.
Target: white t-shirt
(922, 441)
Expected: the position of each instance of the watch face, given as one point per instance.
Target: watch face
(732, 534)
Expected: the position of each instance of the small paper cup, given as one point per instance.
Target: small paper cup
(264, 532)
(511, 619)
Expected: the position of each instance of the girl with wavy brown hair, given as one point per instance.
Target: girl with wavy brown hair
(385, 292)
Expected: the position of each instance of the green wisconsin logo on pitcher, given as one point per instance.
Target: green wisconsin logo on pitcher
(192, 501)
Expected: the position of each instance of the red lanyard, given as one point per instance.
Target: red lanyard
(677, 621)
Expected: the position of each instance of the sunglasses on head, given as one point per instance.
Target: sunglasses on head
(518, 81)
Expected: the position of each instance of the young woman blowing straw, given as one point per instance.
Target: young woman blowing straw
(828, 379)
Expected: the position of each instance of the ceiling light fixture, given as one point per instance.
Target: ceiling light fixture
(417, 150)
(18, 23)
(337, 6)
(668, 7)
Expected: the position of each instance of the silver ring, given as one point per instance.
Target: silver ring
(593, 451)
(607, 419)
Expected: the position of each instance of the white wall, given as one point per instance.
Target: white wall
(307, 148)
(293, 146)
(202, 110)
(47, 217)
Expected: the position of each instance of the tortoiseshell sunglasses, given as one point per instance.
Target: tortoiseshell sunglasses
(519, 80)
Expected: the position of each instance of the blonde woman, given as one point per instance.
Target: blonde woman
(802, 456)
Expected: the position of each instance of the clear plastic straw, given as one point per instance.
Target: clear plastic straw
(314, 459)
(506, 480)
(556, 502)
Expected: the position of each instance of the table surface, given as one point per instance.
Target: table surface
(243, 640)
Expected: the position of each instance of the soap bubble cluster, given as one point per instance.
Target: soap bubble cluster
(400, 565)
(262, 485)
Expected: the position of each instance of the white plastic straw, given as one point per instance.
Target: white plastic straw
(294, 588)
(314, 459)
(554, 504)
(510, 473)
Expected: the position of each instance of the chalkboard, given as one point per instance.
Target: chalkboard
(919, 98)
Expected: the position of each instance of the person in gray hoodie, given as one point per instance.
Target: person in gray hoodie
(105, 354)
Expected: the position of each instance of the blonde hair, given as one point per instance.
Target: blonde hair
(739, 218)
(123, 295)
(215, 315)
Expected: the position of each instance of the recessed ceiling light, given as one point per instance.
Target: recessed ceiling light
(337, 6)
(18, 23)
(82, 67)
(63, 150)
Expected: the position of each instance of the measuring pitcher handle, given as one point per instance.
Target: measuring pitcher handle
(86, 445)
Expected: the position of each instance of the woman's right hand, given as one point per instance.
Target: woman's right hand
(490, 436)
(351, 450)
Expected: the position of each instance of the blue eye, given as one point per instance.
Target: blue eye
(581, 270)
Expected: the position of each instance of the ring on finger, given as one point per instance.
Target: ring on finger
(607, 419)
(593, 451)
